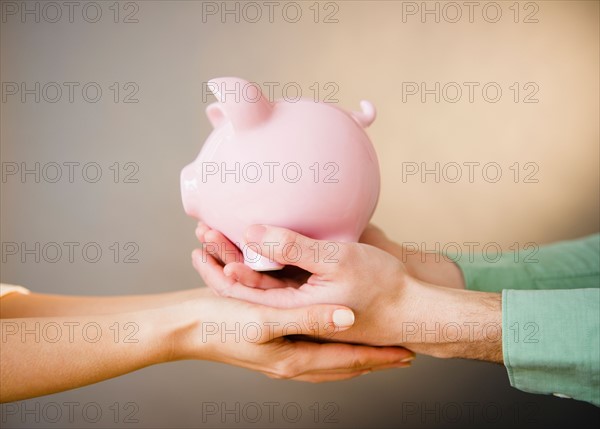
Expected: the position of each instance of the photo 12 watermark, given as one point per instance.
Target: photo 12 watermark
(210, 172)
(69, 12)
(469, 412)
(469, 172)
(15, 172)
(258, 332)
(467, 332)
(470, 251)
(252, 92)
(62, 414)
(29, 331)
(271, 412)
(53, 252)
(469, 92)
(290, 253)
(253, 12)
(453, 12)
(71, 92)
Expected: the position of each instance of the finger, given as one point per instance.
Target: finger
(339, 375)
(213, 276)
(290, 248)
(219, 246)
(364, 357)
(327, 377)
(201, 229)
(245, 275)
(322, 320)
(210, 271)
(407, 364)
(284, 297)
(368, 370)
(310, 357)
(282, 294)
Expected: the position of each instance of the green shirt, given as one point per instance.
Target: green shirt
(550, 314)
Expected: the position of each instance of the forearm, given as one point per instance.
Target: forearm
(455, 324)
(40, 356)
(44, 305)
(433, 268)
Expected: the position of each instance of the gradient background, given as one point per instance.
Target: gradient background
(170, 52)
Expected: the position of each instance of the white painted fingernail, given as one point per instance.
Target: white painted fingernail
(343, 318)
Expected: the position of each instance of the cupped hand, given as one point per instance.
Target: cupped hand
(414, 304)
(370, 281)
(258, 338)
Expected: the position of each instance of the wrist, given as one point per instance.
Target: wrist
(449, 323)
(175, 329)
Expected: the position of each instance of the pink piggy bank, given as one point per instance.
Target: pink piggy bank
(300, 164)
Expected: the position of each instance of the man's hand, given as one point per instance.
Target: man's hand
(392, 307)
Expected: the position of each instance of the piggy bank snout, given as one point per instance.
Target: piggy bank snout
(189, 191)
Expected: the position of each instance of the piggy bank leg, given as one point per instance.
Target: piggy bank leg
(258, 262)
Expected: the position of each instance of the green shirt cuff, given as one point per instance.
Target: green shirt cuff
(551, 342)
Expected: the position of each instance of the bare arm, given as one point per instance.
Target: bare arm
(449, 323)
(46, 355)
(43, 355)
(44, 305)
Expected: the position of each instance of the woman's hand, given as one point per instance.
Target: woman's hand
(359, 276)
(44, 355)
(254, 336)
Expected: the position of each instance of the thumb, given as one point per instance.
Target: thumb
(321, 320)
(290, 248)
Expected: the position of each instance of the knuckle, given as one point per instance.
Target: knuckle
(265, 325)
(346, 255)
(225, 292)
(285, 370)
(288, 244)
(358, 361)
(310, 321)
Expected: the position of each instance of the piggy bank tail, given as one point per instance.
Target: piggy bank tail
(367, 116)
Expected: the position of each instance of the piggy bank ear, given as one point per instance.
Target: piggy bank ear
(238, 101)
(367, 116)
(215, 114)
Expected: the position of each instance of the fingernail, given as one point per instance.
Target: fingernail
(343, 318)
(255, 233)
(407, 359)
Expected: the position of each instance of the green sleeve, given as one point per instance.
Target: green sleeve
(565, 265)
(551, 342)
(550, 315)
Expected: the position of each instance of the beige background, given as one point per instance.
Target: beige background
(170, 52)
